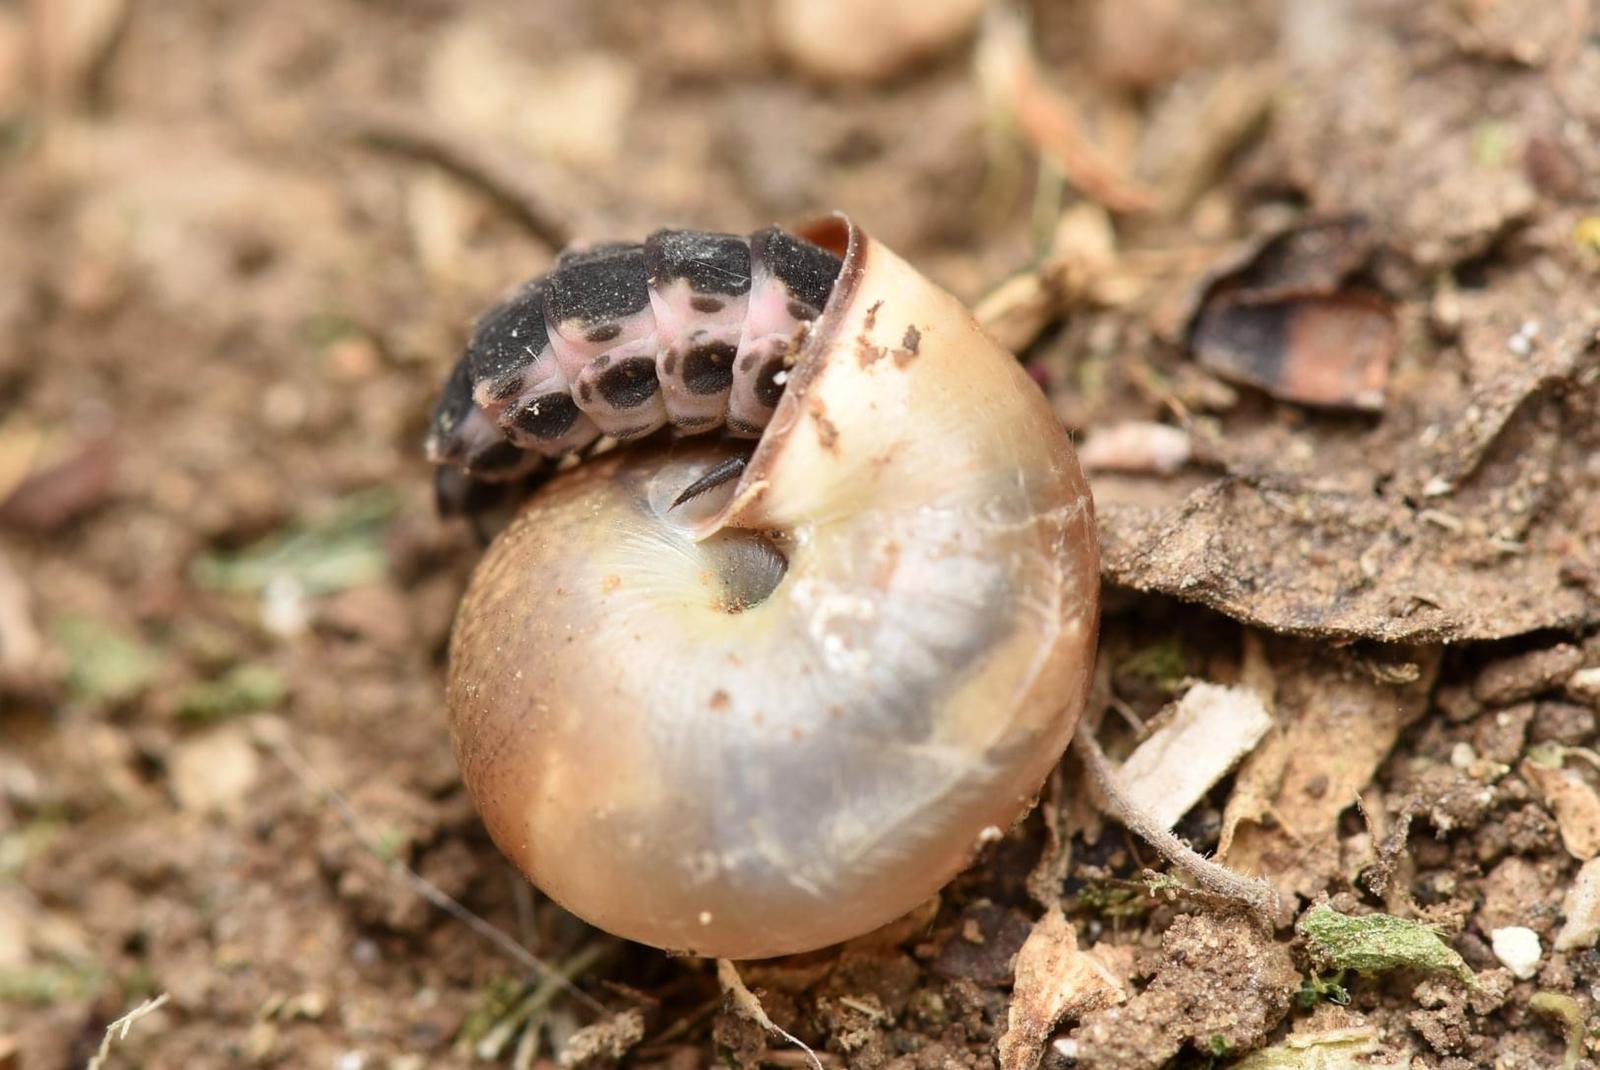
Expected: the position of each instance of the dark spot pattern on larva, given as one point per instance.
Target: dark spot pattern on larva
(708, 368)
(630, 384)
(583, 343)
(769, 385)
(548, 416)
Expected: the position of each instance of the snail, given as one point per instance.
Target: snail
(743, 699)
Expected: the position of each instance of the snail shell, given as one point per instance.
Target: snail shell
(790, 710)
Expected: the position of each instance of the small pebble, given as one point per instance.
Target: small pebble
(1517, 948)
(1584, 685)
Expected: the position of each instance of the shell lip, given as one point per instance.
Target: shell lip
(837, 233)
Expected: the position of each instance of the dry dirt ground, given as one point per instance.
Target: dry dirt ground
(1318, 295)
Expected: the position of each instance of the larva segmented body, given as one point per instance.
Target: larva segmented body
(691, 329)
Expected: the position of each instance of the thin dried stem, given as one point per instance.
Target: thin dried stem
(518, 185)
(1212, 876)
(118, 1030)
(750, 1006)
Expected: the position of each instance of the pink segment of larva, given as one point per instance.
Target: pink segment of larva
(691, 329)
(761, 366)
(697, 351)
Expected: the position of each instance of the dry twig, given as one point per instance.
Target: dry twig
(1212, 876)
(518, 185)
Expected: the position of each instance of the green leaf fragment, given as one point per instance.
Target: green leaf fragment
(103, 664)
(245, 689)
(1377, 942)
(321, 557)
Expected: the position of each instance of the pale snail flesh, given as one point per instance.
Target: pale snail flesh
(789, 709)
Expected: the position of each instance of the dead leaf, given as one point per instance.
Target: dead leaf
(1336, 725)
(59, 489)
(1328, 1049)
(1284, 320)
(1331, 351)
(1290, 557)
(1054, 981)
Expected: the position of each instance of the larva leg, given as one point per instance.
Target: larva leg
(603, 332)
(699, 290)
(790, 283)
(725, 472)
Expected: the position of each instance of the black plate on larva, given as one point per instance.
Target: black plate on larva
(689, 331)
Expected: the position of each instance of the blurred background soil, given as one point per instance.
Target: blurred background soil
(1312, 282)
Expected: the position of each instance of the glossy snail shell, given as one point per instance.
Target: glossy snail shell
(786, 713)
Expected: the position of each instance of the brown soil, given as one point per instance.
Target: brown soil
(241, 244)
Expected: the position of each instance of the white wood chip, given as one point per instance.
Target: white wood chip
(1212, 728)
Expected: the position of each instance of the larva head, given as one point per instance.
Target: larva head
(790, 710)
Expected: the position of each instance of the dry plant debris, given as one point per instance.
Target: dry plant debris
(1570, 797)
(1337, 722)
(1286, 323)
(1210, 729)
(1055, 980)
(1330, 1049)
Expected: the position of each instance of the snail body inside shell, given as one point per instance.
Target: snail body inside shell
(788, 710)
